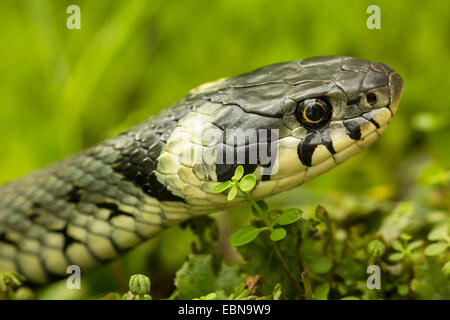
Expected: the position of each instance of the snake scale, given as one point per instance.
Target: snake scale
(93, 206)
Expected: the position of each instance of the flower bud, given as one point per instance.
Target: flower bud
(139, 284)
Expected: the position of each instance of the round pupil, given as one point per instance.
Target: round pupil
(315, 112)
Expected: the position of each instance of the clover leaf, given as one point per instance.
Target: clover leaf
(436, 248)
(222, 187)
(247, 183)
(232, 194)
(238, 182)
(404, 249)
(238, 173)
(289, 216)
(440, 234)
(277, 234)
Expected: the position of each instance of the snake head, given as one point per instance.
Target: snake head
(305, 116)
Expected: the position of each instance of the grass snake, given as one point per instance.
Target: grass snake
(93, 206)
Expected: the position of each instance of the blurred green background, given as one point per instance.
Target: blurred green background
(63, 90)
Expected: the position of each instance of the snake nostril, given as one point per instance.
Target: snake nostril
(371, 98)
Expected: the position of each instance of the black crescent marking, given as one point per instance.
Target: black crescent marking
(326, 140)
(353, 127)
(376, 124)
(309, 144)
(306, 148)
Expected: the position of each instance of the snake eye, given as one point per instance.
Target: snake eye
(314, 112)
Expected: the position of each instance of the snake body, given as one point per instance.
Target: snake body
(91, 207)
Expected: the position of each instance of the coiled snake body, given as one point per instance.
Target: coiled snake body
(94, 205)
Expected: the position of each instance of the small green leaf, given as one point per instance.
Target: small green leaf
(397, 245)
(277, 234)
(244, 235)
(247, 183)
(396, 256)
(439, 233)
(415, 244)
(435, 248)
(321, 292)
(405, 237)
(238, 173)
(277, 292)
(446, 269)
(232, 194)
(209, 296)
(10, 279)
(289, 216)
(321, 265)
(221, 187)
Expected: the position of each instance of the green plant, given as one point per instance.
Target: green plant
(310, 254)
(139, 289)
(405, 250)
(440, 234)
(323, 254)
(10, 286)
(272, 220)
(269, 221)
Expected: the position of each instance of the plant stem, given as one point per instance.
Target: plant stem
(307, 285)
(284, 266)
(297, 253)
(257, 208)
(275, 249)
